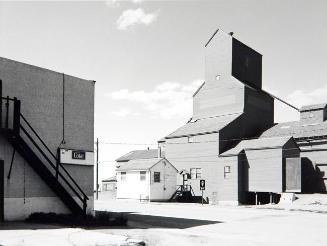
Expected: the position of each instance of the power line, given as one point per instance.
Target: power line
(216, 155)
(213, 141)
(126, 143)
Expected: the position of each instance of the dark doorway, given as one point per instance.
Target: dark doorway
(1, 191)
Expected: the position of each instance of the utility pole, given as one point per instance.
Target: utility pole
(97, 170)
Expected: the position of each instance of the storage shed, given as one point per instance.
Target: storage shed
(151, 179)
(266, 165)
(109, 188)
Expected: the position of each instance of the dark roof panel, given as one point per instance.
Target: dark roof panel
(111, 179)
(139, 154)
(297, 129)
(141, 164)
(313, 107)
(258, 144)
(204, 126)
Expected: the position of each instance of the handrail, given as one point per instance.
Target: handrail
(68, 179)
(37, 135)
(8, 98)
(52, 165)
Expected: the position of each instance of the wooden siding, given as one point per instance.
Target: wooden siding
(313, 164)
(247, 64)
(313, 116)
(223, 96)
(167, 186)
(203, 153)
(265, 170)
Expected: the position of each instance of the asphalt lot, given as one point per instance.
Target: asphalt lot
(194, 224)
(186, 224)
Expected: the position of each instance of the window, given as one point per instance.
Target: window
(156, 177)
(143, 175)
(190, 139)
(196, 173)
(123, 176)
(226, 171)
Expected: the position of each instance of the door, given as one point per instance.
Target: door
(293, 175)
(1, 191)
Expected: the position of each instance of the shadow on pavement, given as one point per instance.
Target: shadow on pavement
(21, 225)
(152, 221)
(134, 221)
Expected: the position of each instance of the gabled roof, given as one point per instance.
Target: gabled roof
(257, 144)
(111, 179)
(138, 154)
(297, 129)
(313, 107)
(140, 164)
(200, 87)
(204, 126)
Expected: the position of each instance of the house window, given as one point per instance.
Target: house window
(226, 171)
(143, 175)
(190, 139)
(156, 177)
(123, 176)
(196, 173)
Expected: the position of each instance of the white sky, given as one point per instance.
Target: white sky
(148, 56)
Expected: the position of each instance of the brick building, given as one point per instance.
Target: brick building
(46, 141)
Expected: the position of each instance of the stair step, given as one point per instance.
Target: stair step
(46, 175)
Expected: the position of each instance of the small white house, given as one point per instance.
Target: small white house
(152, 179)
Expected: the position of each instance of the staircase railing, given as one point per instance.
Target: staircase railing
(16, 126)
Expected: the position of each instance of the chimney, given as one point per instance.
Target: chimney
(312, 114)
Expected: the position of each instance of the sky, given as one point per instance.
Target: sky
(147, 57)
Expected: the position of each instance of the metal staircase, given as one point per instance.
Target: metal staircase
(27, 142)
(185, 193)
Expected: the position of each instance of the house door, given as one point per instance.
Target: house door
(1, 191)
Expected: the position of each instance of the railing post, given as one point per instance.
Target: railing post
(57, 163)
(16, 123)
(0, 103)
(7, 112)
(84, 204)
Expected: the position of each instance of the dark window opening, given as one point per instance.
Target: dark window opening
(156, 177)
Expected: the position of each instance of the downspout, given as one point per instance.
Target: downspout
(63, 110)
(149, 182)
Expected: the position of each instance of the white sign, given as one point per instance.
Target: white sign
(78, 157)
